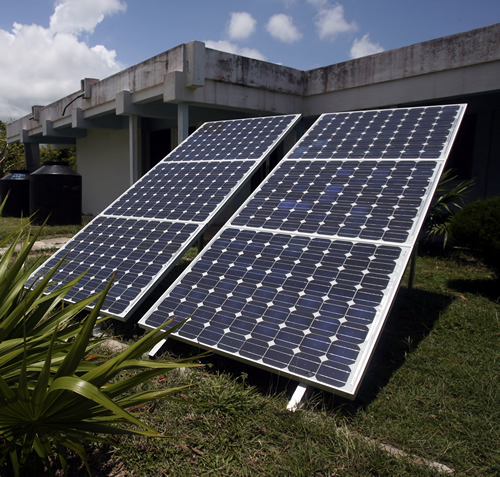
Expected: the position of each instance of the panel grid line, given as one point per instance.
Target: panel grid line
(142, 234)
(302, 277)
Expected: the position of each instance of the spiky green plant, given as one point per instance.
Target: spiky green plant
(52, 398)
(448, 198)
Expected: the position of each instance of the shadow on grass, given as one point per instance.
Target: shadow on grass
(487, 288)
(409, 322)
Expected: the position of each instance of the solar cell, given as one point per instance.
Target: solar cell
(146, 230)
(302, 277)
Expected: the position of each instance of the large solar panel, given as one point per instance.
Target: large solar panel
(145, 231)
(302, 277)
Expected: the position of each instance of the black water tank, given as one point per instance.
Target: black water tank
(17, 184)
(56, 191)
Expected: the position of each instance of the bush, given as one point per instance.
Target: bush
(477, 227)
(54, 395)
(448, 198)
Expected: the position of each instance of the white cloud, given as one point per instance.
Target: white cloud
(241, 25)
(229, 47)
(365, 47)
(77, 16)
(281, 27)
(40, 65)
(330, 20)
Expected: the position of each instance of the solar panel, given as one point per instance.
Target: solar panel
(302, 277)
(145, 231)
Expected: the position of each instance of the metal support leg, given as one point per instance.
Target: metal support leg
(296, 401)
(413, 266)
(201, 243)
(156, 348)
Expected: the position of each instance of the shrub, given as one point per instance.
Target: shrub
(477, 227)
(52, 396)
(448, 198)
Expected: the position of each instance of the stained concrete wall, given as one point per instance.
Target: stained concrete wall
(216, 85)
(448, 53)
(103, 165)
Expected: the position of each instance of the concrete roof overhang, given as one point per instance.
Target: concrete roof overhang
(218, 85)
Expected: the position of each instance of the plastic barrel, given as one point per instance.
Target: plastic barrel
(56, 193)
(16, 184)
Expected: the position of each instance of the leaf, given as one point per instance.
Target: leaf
(51, 395)
(91, 392)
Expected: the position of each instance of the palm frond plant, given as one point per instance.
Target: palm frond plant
(448, 199)
(52, 398)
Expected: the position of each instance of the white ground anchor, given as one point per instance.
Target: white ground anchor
(300, 396)
(156, 348)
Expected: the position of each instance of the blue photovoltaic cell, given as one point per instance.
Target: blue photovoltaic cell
(372, 200)
(136, 250)
(144, 232)
(230, 140)
(182, 191)
(386, 134)
(302, 277)
(256, 293)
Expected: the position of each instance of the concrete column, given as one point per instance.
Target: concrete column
(182, 121)
(32, 156)
(134, 147)
(482, 152)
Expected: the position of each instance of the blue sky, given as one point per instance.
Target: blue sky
(47, 47)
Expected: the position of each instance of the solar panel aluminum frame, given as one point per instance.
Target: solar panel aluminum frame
(358, 370)
(201, 227)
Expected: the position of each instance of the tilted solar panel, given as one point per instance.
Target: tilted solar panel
(302, 277)
(145, 231)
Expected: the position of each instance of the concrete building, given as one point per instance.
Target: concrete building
(124, 124)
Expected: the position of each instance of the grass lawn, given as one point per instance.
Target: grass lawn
(443, 402)
(432, 390)
(11, 224)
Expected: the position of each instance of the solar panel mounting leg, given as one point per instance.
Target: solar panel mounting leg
(156, 348)
(413, 267)
(201, 243)
(297, 399)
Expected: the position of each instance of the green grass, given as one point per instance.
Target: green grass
(10, 224)
(238, 431)
(442, 402)
(432, 389)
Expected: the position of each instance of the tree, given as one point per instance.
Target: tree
(49, 154)
(11, 155)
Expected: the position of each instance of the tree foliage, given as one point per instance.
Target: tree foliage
(477, 228)
(448, 199)
(11, 155)
(49, 154)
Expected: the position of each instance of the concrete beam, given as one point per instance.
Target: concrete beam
(26, 138)
(111, 121)
(48, 129)
(430, 87)
(156, 109)
(231, 96)
(474, 47)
